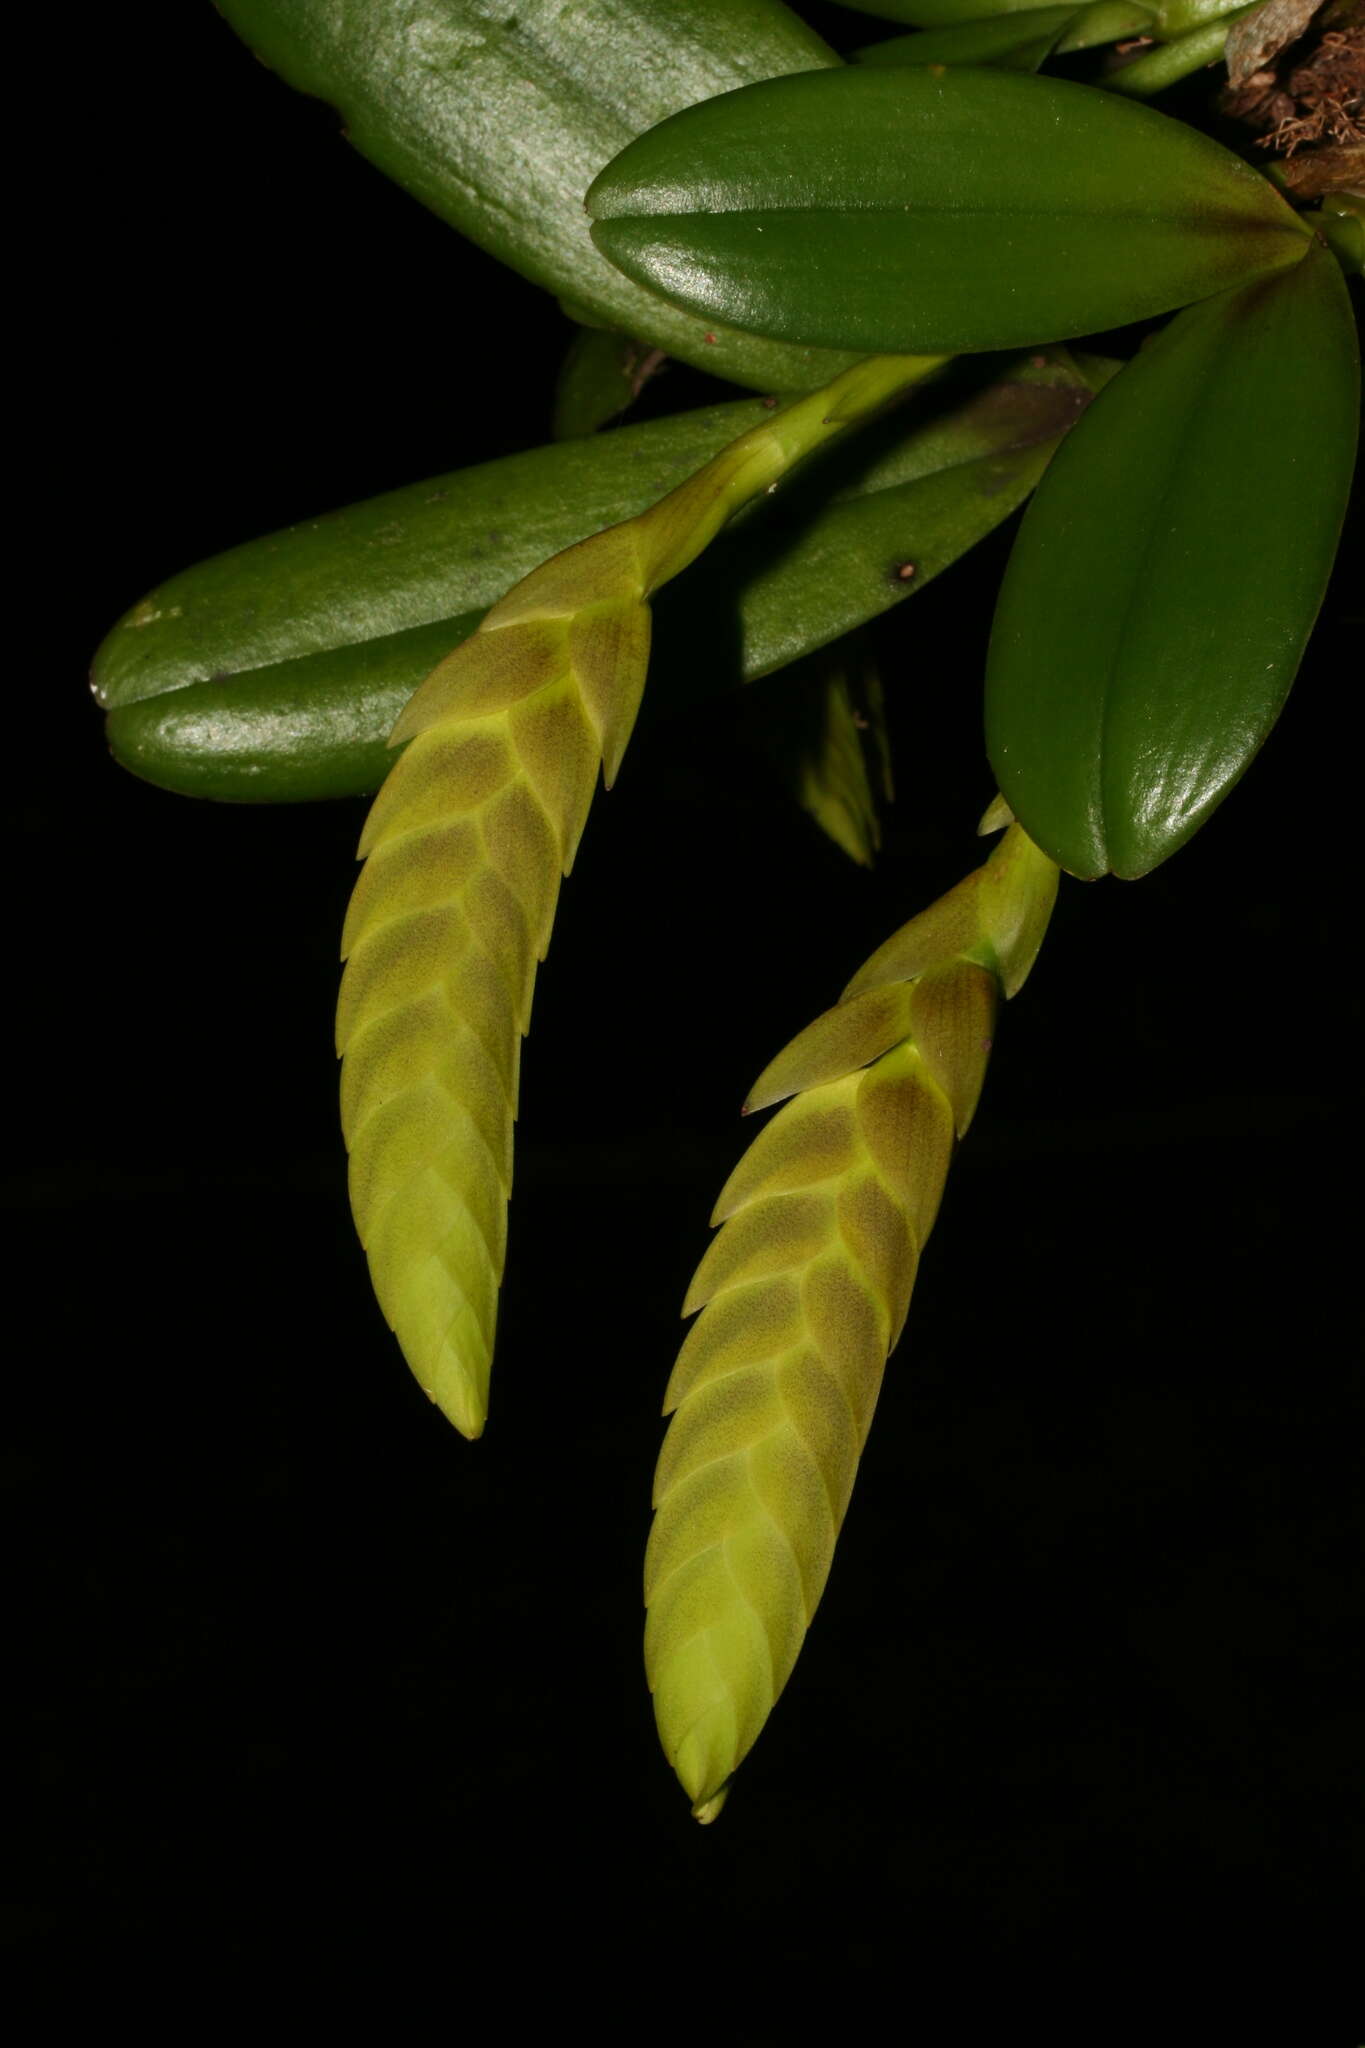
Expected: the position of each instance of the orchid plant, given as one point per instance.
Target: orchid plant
(986, 261)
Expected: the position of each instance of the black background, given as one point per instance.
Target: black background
(301, 1671)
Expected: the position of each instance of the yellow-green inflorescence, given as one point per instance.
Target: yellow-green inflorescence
(803, 1294)
(464, 851)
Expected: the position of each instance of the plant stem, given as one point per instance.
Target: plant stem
(675, 531)
(1170, 62)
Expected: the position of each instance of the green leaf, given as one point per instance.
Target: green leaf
(907, 209)
(277, 669)
(1018, 40)
(1015, 41)
(1169, 570)
(499, 118)
(275, 672)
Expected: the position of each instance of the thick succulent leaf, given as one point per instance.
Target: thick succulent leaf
(824, 567)
(276, 671)
(498, 119)
(1168, 572)
(906, 208)
(1013, 42)
(802, 1296)
(1018, 41)
(431, 557)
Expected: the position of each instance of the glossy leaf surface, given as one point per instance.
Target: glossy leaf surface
(274, 672)
(499, 118)
(1169, 570)
(902, 208)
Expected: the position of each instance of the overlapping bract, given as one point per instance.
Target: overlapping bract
(464, 848)
(803, 1295)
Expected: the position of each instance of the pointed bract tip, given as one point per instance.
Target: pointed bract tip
(996, 817)
(470, 1421)
(407, 724)
(763, 1095)
(707, 1810)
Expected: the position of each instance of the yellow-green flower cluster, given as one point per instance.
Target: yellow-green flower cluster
(803, 1294)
